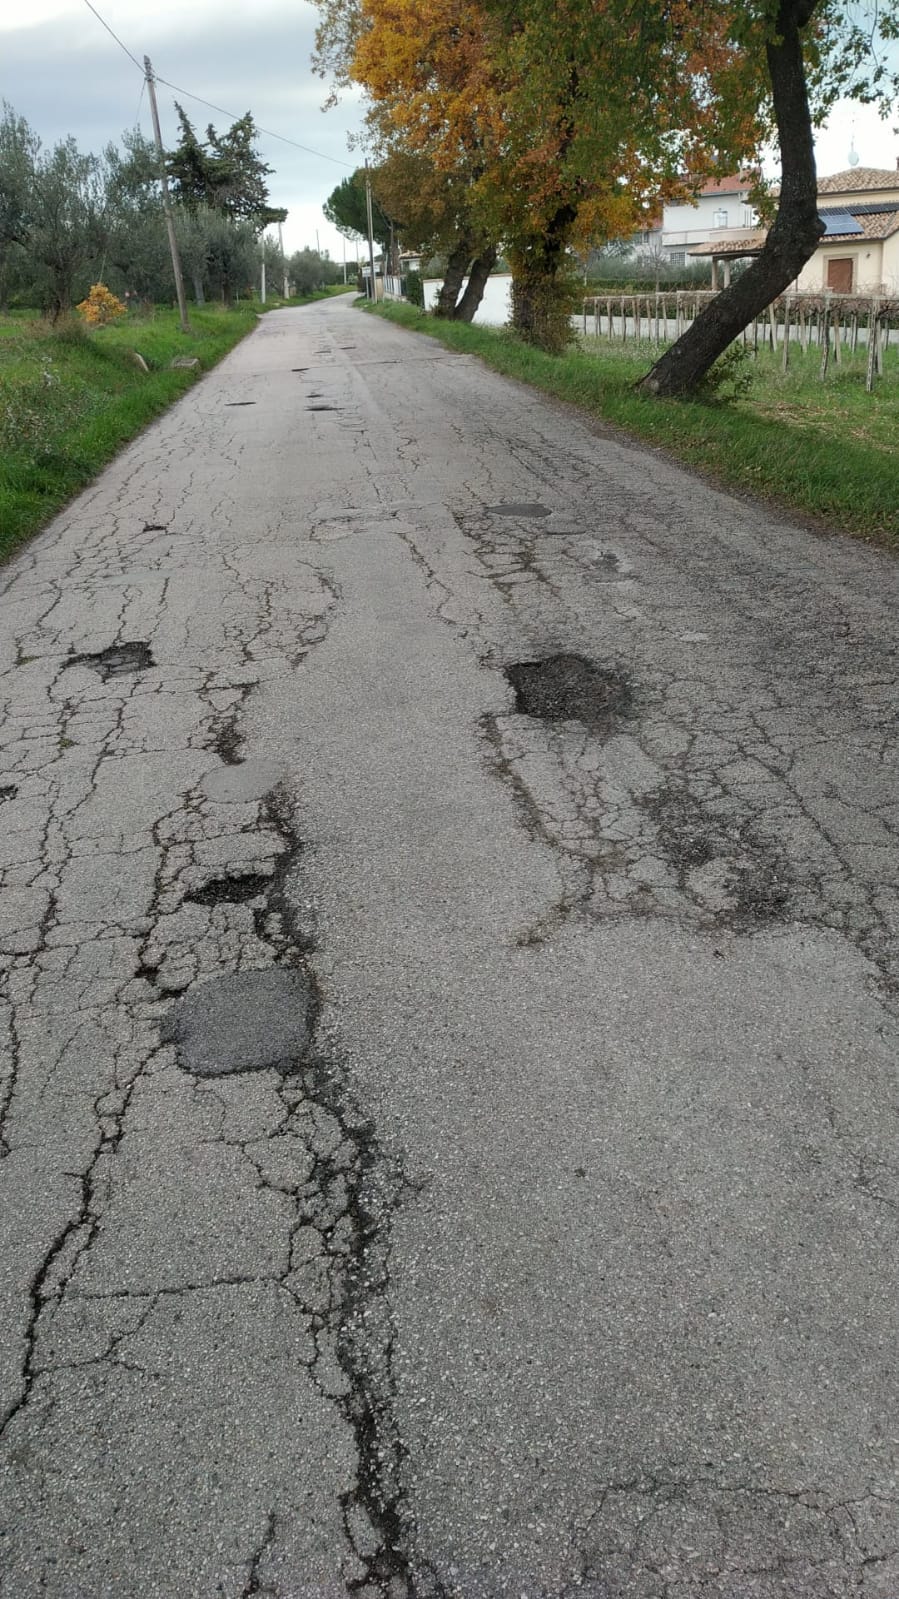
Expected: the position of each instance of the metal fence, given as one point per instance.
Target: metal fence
(836, 324)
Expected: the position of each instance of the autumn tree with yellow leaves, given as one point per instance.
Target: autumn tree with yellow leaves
(559, 121)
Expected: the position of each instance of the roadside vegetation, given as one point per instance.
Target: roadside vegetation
(72, 396)
(85, 270)
(827, 450)
(542, 131)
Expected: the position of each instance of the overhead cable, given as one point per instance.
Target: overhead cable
(269, 134)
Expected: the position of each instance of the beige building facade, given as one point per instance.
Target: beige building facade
(859, 254)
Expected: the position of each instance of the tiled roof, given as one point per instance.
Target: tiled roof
(856, 180)
(748, 243)
(732, 185)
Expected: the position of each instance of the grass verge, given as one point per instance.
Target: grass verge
(70, 398)
(825, 449)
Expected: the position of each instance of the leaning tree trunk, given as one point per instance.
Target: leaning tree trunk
(481, 269)
(793, 238)
(456, 268)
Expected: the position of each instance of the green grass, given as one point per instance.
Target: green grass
(71, 398)
(828, 450)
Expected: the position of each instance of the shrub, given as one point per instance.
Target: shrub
(100, 307)
(415, 289)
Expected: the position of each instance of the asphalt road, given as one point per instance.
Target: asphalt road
(449, 1112)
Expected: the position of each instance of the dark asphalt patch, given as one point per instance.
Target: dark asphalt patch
(243, 1022)
(688, 837)
(563, 688)
(227, 743)
(231, 890)
(513, 508)
(757, 879)
(118, 660)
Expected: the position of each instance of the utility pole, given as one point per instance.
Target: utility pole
(262, 242)
(166, 202)
(284, 262)
(371, 236)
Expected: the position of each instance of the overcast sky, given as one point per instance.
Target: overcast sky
(61, 71)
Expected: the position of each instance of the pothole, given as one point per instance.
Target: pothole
(720, 860)
(154, 527)
(563, 688)
(231, 890)
(232, 403)
(321, 408)
(243, 1022)
(226, 743)
(8, 791)
(117, 660)
(518, 508)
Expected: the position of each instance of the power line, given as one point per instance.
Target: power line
(114, 36)
(259, 129)
(307, 149)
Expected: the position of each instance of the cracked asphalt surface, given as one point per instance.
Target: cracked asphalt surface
(448, 1144)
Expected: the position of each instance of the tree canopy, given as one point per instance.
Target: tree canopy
(224, 172)
(560, 122)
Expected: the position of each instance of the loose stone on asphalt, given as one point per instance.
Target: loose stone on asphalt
(447, 1122)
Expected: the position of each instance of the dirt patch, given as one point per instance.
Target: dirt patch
(118, 660)
(570, 688)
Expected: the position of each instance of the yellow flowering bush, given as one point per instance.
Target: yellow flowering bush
(100, 307)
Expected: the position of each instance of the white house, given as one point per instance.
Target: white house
(722, 205)
(859, 253)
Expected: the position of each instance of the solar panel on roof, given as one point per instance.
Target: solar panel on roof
(875, 209)
(839, 222)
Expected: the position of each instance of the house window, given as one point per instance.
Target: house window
(748, 217)
(677, 257)
(721, 218)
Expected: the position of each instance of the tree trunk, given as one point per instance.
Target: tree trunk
(541, 301)
(198, 288)
(481, 269)
(456, 268)
(793, 238)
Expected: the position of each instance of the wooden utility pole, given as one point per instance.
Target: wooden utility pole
(284, 262)
(371, 233)
(166, 202)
